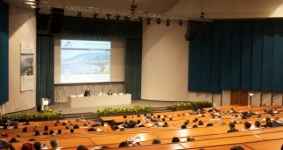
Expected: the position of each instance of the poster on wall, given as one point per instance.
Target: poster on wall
(27, 48)
(26, 72)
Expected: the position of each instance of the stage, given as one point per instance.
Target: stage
(63, 107)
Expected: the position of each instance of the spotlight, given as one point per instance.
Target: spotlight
(117, 17)
(140, 19)
(148, 20)
(180, 22)
(108, 16)
(127, 18)
(168, 22)
(79, 14)
(136, 18)
(158, 20)
(95, 15)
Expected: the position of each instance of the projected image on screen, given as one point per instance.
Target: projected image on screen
(85, 61)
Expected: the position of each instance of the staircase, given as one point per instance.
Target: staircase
(161, 109)
(87, 116)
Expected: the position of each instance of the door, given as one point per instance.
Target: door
(239, 97)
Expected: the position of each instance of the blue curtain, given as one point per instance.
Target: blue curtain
(4, 52)
(237, 55)
(133, 67)
(44, 67)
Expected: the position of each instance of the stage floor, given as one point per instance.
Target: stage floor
(65, 110)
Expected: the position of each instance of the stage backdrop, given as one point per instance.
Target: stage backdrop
(237, 55)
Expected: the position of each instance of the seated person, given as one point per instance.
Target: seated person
(54, 144)
(156, 141)
(213, 110)
(87, 92)
(175, 140)
(248, 126)
(257, 125)
(102, 93)
(232, 127)
(109, 92)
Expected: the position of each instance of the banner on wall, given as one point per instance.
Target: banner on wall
(27, 48)
(26, 72)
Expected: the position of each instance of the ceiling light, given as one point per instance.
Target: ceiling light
(127, 18)
(167, 22)
(158, 20)
(79, 14)
(95, 15)
(108, 16)
(148, 20)
(117, 17)
(180, 22)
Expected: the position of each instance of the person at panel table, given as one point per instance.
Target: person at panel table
(109, 92)
(102, 93)
(87, 92)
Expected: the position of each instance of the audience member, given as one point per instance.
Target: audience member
(257, 125)
(175, 140)
(232, 127)
(36, 133)
(54, 144)
(81, 147)
(25, 129)
(123, 144)
(195, 126)
(156, 141)
(183, 127)
(72, 131)
(27, 146)
(37, 145)
(46, 128)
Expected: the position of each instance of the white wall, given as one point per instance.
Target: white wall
(165, 51)
(217, 9)
(22, 28)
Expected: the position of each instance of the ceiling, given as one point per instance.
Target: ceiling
(152, 6)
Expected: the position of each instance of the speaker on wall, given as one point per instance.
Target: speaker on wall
(192, 30)
(55, 22)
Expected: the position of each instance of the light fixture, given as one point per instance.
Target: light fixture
(180, 22)
(148, 20)
(94, 15)
(136, 18)
(168, 22)
(79, 15)
(117, 17)
(140, 19)
(108, 16)
(158, 20)
(251, 94)
(127, 18)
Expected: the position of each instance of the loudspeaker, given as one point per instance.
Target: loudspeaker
(192, 30)
(55, 22)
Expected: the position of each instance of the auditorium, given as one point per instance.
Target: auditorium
(141, 74)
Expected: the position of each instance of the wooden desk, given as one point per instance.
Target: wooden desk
(61, 142)
(181, 133)
(156, 147)
(222, 141)
(224, 147)
(94, 101)
(266, 145)
(112, 139)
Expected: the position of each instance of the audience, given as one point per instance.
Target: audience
(175, 140)
(81, 147)
(232, 127)
(37, 145)
(54, 144)
(123, 144)
(27, 146)
(156, 141)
